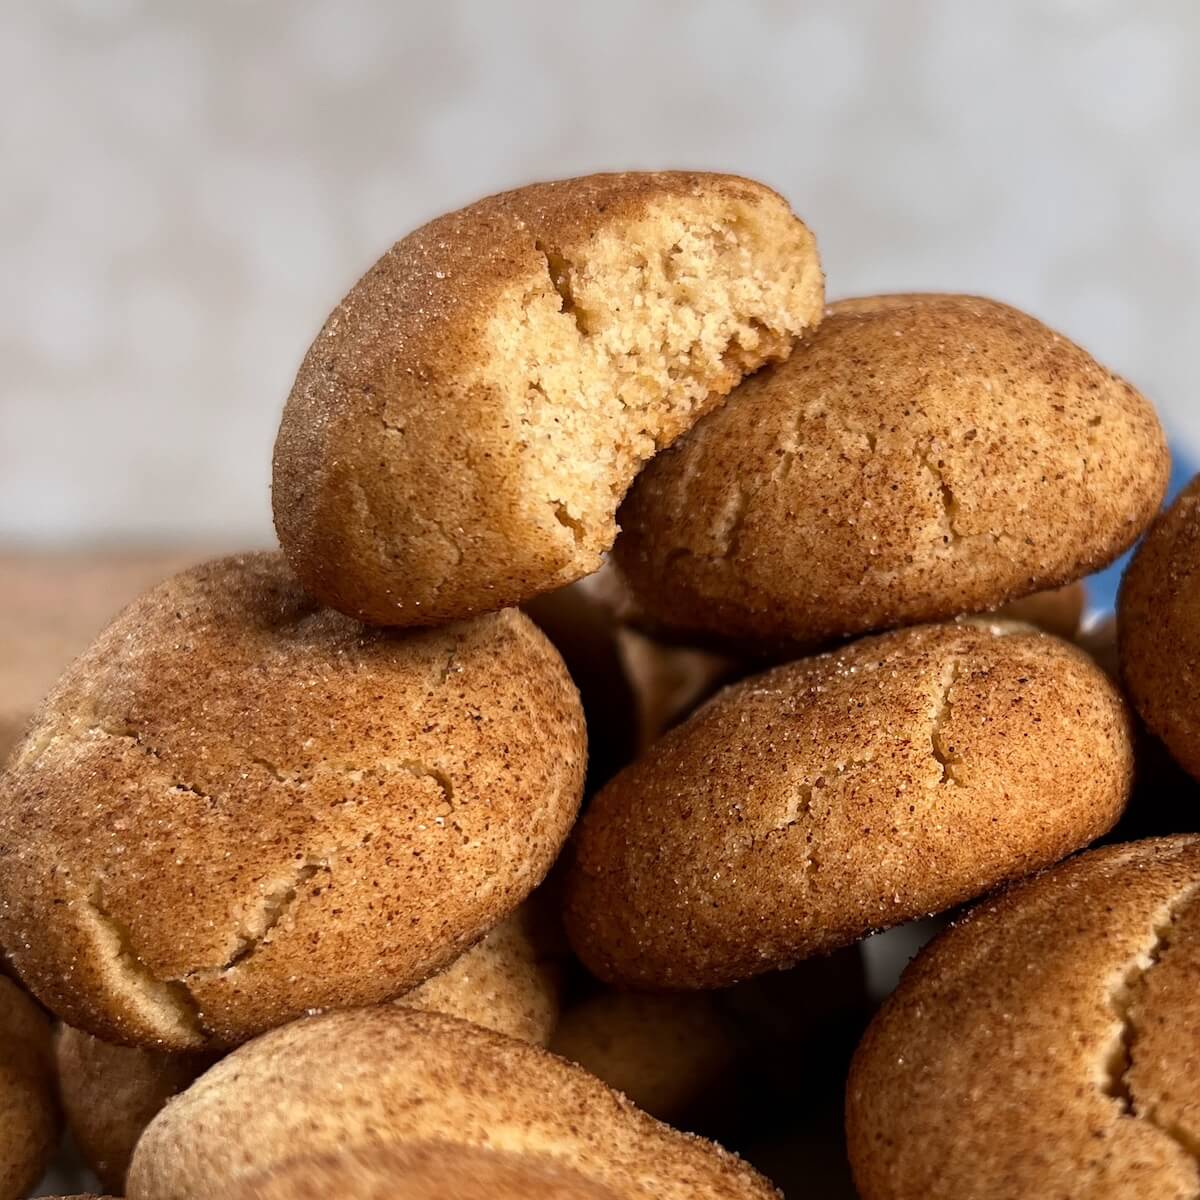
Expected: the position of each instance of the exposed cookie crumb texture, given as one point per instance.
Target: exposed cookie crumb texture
(464, 427)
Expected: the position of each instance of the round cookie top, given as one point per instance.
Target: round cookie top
(800, 809)
(1159, 629)
(462, 429)
(917, 457)
(427, 1171)
(237, 806)
(1046, 1045)
(397, 1075)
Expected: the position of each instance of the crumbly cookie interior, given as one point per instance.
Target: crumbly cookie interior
(615, 350)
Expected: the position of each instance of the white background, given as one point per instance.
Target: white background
(187, 188)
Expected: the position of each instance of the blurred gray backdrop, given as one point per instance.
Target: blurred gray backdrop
(187, 188)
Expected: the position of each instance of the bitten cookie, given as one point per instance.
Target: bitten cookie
(802, 808)
(237, 806)
(428, 1171)
(916, 458)
(462, 430)
(29, 1119)
(394, 1075)
(1159, 629)
(1046, 1045)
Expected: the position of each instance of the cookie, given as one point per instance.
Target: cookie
(804, 807)
(1159, 629)
(1046, 1045)
(667, 1053)
(1166, 799)
(29, 1119)
(509, 982)
(916, 458)
(394, 1075)
(427, 1171)
(238, 806)
(463, 428)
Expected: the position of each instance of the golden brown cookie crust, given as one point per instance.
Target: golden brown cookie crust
(29, 1118)
(428, 1171)
(284, 810)
(465, 424)
(396, 1075)
(802, 808)
(1159, 629)
(916, 458)
(1046, 1045)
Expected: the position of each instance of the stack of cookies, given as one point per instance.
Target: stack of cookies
(306, 856)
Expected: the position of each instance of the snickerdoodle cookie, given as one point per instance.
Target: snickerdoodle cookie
(917, 457)
(238, 806)
(804, 807)
(1046, 1045)
(465, 425)
(111, 1093)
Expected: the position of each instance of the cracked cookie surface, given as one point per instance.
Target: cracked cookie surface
(915, 458)
(463, 428)
(1045, 1045)
(237, 806)
(800, 809)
